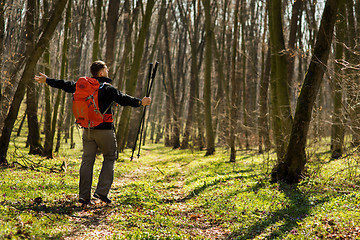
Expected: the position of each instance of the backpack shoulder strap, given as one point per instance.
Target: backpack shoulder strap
(103, 84)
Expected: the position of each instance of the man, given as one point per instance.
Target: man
(101, 136)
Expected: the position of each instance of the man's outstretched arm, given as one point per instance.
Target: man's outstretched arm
(67, 86)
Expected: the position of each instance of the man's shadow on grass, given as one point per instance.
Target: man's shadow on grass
(91, 217)
(298, 208)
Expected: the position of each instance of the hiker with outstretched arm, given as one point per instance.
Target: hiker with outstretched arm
(95, 136)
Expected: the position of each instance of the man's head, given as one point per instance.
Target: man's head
(99, 69)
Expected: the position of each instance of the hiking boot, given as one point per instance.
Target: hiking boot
(102, 198)
(84, 201)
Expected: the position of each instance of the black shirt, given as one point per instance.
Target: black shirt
(107, 95)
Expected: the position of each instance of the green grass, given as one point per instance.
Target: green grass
(180, 194)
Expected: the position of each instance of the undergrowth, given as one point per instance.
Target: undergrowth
(180, 194)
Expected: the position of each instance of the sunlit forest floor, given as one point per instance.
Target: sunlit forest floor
(179, 194)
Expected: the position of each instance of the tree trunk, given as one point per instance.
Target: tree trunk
(193, 82)
(290, 168)
(2, 35)
(357, 11)
(156, 114)
(193, 32)
(337, 128)
(96, 48)
(246, 85)
(59, 121)
(26, 76)
(68, 116)
(352, 42)
(180, 72)
(136, 113)
(128, 48)
(296, 11)
(175, 136)
(131, 82)
(111, 28)
(167, 130)
(31, 99)
(21, 125)
(200, 141)
(234, 85)
(223, 91)
(160, 21)
(63, 75)
(263, 119)
(125, 64)
(252, 38)
(49, 136)
(281, 111)
(311, 20)
(210, 143)
(48, 146)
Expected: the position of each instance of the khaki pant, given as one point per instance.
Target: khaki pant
(92, 140)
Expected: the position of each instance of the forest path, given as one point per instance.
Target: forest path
(101, 221)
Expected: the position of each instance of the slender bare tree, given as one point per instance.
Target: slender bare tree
(210, 141)
(26, 76)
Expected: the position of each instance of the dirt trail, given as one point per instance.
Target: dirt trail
(92, 222)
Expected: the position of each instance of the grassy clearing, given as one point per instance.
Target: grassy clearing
(180, 194)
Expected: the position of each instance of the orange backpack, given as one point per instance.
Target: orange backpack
(85, 103)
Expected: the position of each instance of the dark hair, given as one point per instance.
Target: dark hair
(96, 67)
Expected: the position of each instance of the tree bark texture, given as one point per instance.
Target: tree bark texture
(170, 86)
(234, 85)
(136, 113)
(263, 119)
(296, 12)
(63, 75)
(210, 142)
(96, 44)
(2, 35)
(111, 29)
(48, 142)
(352, 41)
(31, 99)
(281, 111)
(337, 128)
(290, 168)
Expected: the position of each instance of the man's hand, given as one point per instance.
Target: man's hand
(146, 101)
(41, 78)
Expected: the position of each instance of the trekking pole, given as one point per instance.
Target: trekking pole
(141, 121)
(147, 95)
(151, 76)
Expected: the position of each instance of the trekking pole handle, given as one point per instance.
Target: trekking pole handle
(149, 78)
(155, 69)
(152, 78)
